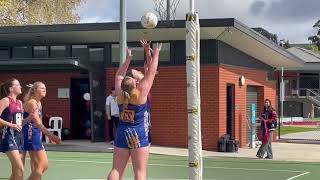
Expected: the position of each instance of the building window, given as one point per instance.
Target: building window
(137, 52)
(21, 52)
(309, 80)
(115, 52)
(96, 54)
(4, 53)
(40, 52)
(81, 52)
(164, 55)
(57, 51)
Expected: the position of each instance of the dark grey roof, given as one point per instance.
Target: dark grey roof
(305, 55)
(45, 64)
(109, 26)
(228, 30)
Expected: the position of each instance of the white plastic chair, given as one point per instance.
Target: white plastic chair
(55, 124)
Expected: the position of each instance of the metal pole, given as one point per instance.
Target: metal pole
(192, 6)
(281, 95)
(168, 10)
(123, 31)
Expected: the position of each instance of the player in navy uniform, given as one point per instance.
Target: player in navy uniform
(132, 134)
(32, 131)
(11, 121)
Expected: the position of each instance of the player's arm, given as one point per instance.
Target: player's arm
(147, 49)
(4, 103)
(27, 119)
(33, 108)
(122, 71)
(108, 108)
(146, 83)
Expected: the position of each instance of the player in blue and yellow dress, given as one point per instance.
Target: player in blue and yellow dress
(132, 134)
(32, 135)
(11, 121)
(133, 126)
(32, 131)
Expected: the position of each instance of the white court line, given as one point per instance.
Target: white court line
(152, 179)
(175, 165)
(298, 175)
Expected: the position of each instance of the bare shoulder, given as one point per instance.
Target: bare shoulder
(4, 101)
(31, 104)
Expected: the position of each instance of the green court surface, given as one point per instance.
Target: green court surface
(95, 166)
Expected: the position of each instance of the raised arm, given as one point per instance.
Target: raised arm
(146, 83)
(122, 71)
(147, 49)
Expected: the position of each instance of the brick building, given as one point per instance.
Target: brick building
(79, 58)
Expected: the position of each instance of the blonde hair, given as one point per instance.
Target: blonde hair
(127, 86)
(32, 89)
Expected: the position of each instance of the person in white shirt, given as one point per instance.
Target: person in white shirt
(112, 112)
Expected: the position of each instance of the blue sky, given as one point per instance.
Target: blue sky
(289, 19)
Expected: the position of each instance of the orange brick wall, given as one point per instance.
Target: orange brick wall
(51, 104)
(169, 104)
(231, 74)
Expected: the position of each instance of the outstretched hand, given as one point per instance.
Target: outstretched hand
(129, 52)
(146, 46)
(158, 47)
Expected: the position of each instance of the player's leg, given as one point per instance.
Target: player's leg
(120, 161)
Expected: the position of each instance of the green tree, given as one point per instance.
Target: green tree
(316, 38)
(267, 34)
(28, 12)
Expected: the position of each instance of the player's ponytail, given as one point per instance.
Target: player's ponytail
(127, 88)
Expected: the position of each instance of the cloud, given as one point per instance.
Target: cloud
(288, 11)
(289, 19)
(257, 7)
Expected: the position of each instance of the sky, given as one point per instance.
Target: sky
(289, 19)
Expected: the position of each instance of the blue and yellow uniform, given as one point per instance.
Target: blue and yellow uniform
(11, 139)
(134, 126)
(32, 135)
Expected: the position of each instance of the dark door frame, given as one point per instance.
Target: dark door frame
(230, 106)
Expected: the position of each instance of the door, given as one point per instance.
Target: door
(252, 98)
(80, 109)
(98, 100)
(230, 110)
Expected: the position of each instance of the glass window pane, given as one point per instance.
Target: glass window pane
(80, 51)
(40, 52)
(96, 54)
(21, 52)
(58, 51)
(137, 53)
(309, 80)
(164, 53)
(4, 53)
(115, 52)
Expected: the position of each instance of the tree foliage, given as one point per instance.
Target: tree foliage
(316, 38)
(267, 34)
(28, 12)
